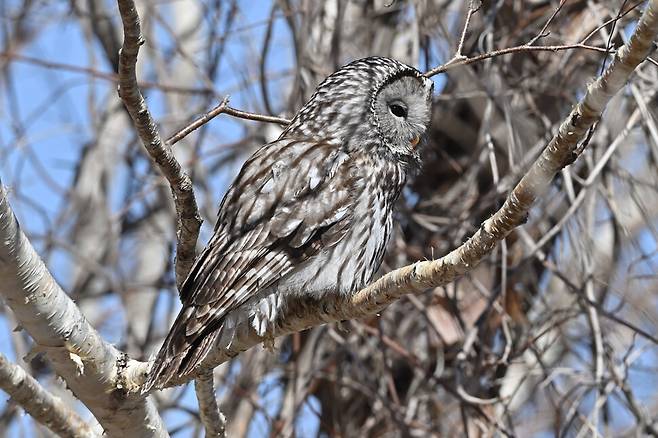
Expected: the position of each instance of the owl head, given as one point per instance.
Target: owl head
(374, 103)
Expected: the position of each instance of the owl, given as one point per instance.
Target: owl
(309, 214)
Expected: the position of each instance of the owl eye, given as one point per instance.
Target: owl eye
(398, 110)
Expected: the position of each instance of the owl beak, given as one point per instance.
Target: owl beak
(414, 141)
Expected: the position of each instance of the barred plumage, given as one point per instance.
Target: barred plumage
(310, 213)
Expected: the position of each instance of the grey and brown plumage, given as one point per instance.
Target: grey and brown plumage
(310, 213)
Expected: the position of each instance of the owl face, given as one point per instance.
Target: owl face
(374, 103)
(402, 111)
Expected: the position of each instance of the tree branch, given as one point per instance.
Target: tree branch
(187, 212)
(473, 7)
(223, 108)
(44, 407)
(212, 418)
(303, 312)
(462, 60)
(256, 117)
(93, 369)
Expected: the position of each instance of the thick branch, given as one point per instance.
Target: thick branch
(303, 313)
(92, 368)
(189, 220)
(44, 407)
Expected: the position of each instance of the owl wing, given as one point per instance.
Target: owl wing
(291, 199)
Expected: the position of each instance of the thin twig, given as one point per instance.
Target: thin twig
(223, 108)
(455, 62)
(648, 424)
(542, 33)
(471, 10)
(608, 44)
(240, 114)
(602, 311)
(612, 20)
(198, 123)
(255, 117)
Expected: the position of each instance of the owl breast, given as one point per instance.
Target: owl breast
(351, 263)
(348, 265)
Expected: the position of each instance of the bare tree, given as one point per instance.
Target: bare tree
(517, 296)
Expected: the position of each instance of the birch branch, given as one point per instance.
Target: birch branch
(44, 407)
(92, 368)
(212, 418)
(561, 151)
(187, 212)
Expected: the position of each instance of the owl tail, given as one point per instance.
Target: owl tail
(180, 353)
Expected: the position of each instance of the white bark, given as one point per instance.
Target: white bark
(212, 418)
(45, 408)
(91, 367)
